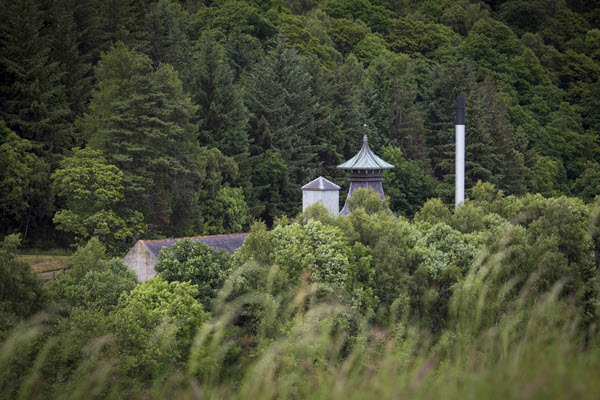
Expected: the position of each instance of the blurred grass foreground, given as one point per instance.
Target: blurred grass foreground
(496, 300)
(535, 354)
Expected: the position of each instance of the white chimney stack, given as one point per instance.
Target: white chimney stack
(460, 152)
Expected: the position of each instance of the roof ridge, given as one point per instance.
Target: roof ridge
(195, 237)
(320, 184)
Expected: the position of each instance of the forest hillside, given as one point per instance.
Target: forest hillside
(138, 119)
(123, 120)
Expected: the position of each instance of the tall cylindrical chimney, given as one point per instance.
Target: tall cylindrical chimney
(460, 152)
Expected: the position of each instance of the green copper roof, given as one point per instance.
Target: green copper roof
(365, 159)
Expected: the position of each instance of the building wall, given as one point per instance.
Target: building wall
(357, 181)
(329, 198)
(141, 261)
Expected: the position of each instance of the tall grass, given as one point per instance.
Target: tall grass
(305, 348)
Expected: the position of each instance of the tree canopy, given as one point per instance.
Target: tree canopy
(282, 89)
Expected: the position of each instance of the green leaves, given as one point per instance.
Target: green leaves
(408, 186)
(167, 312)
(368, 200)
(17, 164)
(197, 263)
(227, 213)
(86, 176)
(141, 120)
(419, 39)
(94, 282)
(21, 292)
(93, 191)
(316, 248)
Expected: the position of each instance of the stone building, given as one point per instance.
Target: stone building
(365, 171)
(322, 191)
(144, 254)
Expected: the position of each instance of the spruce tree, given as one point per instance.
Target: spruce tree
(34, 105)
(343, 128)
(64, 41)
(103, 23)
(32, 96)
(446, 83)
(284, 109)
(16, 170)
(492, 149)
(285, 117)
(389, 98)
(510, 171)
(168, 42)
(222, 116)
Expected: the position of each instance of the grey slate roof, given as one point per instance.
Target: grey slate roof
(321, 184)
(229, 243)
(365, 159)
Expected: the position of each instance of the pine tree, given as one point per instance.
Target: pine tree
(285, 117)
(168, 42)
(222, 116)
(64, 40)
(141, 119)
(343, 129)
(33, 100)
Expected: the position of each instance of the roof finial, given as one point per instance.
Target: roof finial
(365, 139)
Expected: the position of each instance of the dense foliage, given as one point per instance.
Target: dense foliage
(487, 300)
(196, 117)
(124, 120)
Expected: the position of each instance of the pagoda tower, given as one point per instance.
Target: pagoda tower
(365, 172)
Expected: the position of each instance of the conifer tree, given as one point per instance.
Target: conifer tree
(343, 129)
(510, 171)
(141, 119)
(243, 51)
(389, 99)
(167, 38)
(490, 139)
(103, 23)
(31, 93)
(285, 116)
(64, 41)
(221, 114)
(284, 108)
(16, 171)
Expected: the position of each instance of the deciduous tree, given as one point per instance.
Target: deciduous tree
(93, 194)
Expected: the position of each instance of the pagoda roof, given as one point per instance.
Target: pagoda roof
(365, 159)
(321, 184)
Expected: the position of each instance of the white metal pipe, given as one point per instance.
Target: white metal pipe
(460, 165)
(459, 194)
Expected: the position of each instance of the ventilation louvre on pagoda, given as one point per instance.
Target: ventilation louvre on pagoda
(366, 171)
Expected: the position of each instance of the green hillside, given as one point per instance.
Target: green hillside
(123, 120)
(131, 118)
